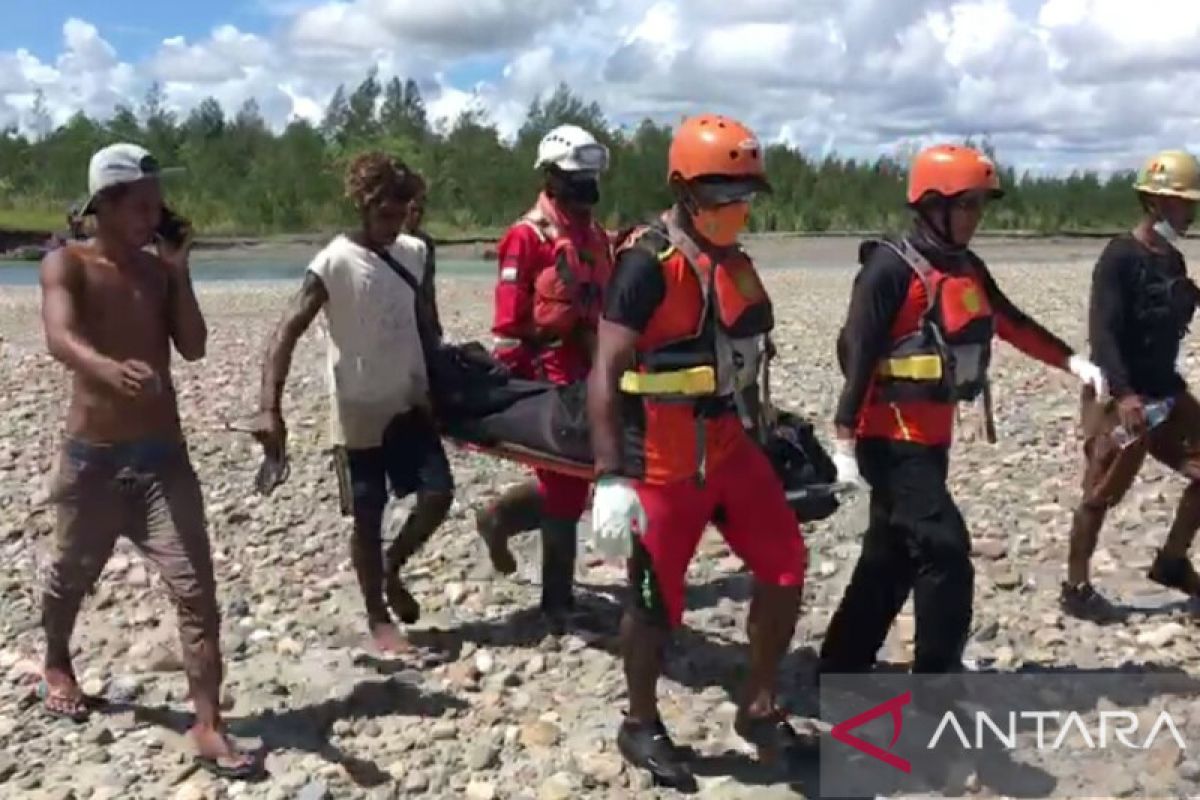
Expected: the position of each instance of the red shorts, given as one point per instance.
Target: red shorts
(744, 497)
(563, 496)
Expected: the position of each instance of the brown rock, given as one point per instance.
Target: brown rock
(540, 734)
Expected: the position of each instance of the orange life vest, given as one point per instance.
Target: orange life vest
(946, 357)
(703, 345)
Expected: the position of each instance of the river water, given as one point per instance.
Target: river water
(25, 273)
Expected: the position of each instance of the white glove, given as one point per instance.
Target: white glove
(617, 516)
(1089, 374)
(847, 465)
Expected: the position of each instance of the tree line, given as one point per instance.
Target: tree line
(239, 176)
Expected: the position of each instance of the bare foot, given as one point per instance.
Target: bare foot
(62, 696)
(388, 640)
(216, 753)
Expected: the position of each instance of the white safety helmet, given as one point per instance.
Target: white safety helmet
(571, 149)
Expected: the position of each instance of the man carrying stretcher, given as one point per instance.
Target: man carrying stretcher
(554, 263)
(683, 326)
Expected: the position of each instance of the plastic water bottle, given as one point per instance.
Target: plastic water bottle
(1156, 413)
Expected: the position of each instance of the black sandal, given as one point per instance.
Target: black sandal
(247, 770)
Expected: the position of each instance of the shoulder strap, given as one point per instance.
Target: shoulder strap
(541, 224)
(683, 243)
(917, 262)
(399, 269)
(425, 325)
(649, 237)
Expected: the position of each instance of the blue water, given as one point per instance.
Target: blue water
(25, 273)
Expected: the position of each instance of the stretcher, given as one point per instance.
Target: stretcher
(800, 498)
(545, 426)
(481, 409)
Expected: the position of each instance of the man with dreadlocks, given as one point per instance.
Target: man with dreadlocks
(380, 326)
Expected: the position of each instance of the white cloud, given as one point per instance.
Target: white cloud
(1059, 84)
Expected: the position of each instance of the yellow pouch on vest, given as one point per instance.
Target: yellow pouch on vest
(694, 381)
(913, 368)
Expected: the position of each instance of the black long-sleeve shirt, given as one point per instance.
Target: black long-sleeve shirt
(1141, 303)
(876, 302)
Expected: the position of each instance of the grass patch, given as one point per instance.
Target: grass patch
(31, 219)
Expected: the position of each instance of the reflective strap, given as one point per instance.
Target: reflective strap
(900, 423)
(501, 343)
(914, 368)
(694, 381)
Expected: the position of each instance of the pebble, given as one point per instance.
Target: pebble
(416, 781)
(314, 790)
(605, 768)
(1161, 636)
(101, 736)
(482, 756)
(124, 689)
(558, 786)
(991, 549)
(288, 647)
(8, 767)
(540, 734)
(481, 790)
(444, 730)
(190, 791)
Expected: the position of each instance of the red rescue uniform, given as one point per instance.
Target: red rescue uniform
(552, 274)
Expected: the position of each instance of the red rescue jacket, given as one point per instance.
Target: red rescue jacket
(548, 299)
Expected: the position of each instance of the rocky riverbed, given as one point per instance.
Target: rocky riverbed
(500, 708)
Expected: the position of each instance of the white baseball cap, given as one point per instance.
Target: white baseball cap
(115, 165)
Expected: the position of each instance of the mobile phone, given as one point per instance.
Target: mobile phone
(172, 228)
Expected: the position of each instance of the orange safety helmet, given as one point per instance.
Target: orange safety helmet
(710, 144)
(951, 169)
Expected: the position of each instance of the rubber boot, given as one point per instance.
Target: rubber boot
(516, 511)
(558, 568)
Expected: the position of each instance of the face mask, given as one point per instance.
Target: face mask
(582, 191)
(723, 224)
(1166, 231)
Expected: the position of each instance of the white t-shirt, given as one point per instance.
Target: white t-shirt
(375, 364)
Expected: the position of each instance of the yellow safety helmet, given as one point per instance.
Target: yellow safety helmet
(1174, 173)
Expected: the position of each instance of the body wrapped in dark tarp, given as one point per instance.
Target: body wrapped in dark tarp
(478, 403)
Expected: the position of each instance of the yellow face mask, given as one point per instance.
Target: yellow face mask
(722, 225)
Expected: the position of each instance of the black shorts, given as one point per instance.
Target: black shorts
(410, 459)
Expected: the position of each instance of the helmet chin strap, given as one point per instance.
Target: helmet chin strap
(936, 227)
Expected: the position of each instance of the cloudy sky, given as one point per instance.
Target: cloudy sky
(1057, 84)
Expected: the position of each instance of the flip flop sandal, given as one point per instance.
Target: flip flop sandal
(76, 709)
(249, 770)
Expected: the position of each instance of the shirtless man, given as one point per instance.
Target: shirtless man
(111, 312)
